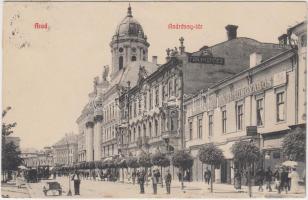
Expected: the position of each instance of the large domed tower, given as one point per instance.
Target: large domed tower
(129, 43)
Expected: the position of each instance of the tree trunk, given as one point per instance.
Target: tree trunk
(182, 184)
(161, 175)
(249, 181)
(212, 170)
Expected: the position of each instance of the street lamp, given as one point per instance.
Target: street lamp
(69, 193)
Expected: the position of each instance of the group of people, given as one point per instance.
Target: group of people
(155, 177)
(285, 179)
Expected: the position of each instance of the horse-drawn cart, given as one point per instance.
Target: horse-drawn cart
(54, 187)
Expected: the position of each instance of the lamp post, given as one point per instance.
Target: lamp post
(69, 193)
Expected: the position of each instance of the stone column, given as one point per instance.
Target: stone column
(217, 176)
(89, 140)
(97, 136)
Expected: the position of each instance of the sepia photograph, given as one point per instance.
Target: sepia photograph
(154, 99)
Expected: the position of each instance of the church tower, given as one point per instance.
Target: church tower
(129, 43)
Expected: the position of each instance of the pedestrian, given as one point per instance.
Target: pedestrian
(209, 175)
(276, 176)
(168, 179)
(284, 180)
(237, 180)
(141, 179)
(134, 176)
(154, 181)
(260, 178)
(76, 180)
(180, 176)
(294, 181)
(268, 179)
(54, 174)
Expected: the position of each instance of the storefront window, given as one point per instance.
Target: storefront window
(156, 97)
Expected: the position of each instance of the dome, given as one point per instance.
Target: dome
(129, 26)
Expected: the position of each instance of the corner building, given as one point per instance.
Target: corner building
(260, 104)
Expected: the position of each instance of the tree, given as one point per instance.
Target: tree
(8, 148)
(182, 160)
(10, 157)
(212, 155)
(294, 145)
(246, 153)
(161, 160)
(132, 162)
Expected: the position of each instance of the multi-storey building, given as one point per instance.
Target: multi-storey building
(151, 109)
(100, 117)
(33, 158)
(260, 104)
(65, 151)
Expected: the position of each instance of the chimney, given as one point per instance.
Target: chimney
(283, 39)
(255, 59)
(154, 60)
(231, 31)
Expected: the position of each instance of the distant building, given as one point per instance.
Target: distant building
(65, 151)
(34, 158)
(260, 104)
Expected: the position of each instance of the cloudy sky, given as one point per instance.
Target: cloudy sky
(47, 74)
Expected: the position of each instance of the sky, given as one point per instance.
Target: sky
(48, 73)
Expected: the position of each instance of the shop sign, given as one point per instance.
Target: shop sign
(206, 60)
(243, 92)
(251, 130)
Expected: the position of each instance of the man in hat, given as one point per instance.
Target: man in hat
(76, 180)
(141, 179)
(168, 179)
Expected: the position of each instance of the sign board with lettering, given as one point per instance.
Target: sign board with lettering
(206, 60)
(244, 91)
(280, 78)
(251, 130)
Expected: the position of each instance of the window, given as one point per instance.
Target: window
(145, 101)
(135, 109)
(200, 128)
(134, 58)
(130, 110)
(139, 131)
(175, 87)
(120, 49)
(139, 106)
(156, 97)
(260, 112)
(134, 136)
(190, 131)
(120, 62)
(304, 40)
(144, 130)
(280, 107)
(170, 88)
(150, 129)
(156, 128)
(239, 116)
(129, 137)
(163, 92)
(210, 125)
(224, 121)
(151, 100)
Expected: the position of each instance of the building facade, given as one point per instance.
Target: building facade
(65, 151)
(34, 158)
(151, 109)
(100, 117)
(260, 104)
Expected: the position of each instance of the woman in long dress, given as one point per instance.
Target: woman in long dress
(294, 181)
(237, 180)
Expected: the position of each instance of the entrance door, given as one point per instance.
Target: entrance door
(224, 171)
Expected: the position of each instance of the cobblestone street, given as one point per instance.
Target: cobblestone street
(102, 189)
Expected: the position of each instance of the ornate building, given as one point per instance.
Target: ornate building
(65, 150)
(100, 117)
(152, 112)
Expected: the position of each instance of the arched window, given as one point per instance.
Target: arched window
(120, 62)
(150, 129)
(134, 58)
